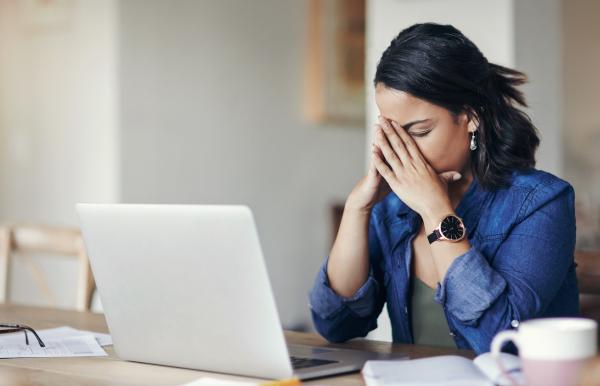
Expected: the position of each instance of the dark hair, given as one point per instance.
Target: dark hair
(437, 63)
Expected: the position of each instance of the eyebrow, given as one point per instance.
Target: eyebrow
(407, 126)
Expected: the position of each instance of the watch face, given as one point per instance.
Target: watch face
(452, 228)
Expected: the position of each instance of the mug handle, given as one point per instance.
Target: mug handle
(499, 340)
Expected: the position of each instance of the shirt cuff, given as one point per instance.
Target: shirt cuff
(326, 303)
(470, 287)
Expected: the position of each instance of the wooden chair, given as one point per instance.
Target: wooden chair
(588, 271)
(588, 276)
(25, 240)
(591, 373)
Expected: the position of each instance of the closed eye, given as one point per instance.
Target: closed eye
(420, 133)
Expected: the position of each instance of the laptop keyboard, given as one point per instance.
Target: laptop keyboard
(302, 363)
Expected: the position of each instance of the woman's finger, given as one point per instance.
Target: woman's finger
(386, 172)
(396, 143)
(372, 168)
(377, 150)
(388, 153)
(409, 142)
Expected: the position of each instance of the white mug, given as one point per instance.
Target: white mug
(553, 351)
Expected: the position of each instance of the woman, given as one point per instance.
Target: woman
(452, 226)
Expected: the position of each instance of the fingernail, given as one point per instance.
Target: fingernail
(456, 177)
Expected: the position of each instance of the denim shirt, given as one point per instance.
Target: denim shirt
(520, 265)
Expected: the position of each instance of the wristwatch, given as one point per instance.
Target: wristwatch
(451, 228)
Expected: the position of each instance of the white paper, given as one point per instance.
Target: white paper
(446, 370)
(68, 332)
(512, 364)
(77, 346)
(57, 333)
(222, 382)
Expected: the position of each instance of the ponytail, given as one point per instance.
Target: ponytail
(507, 139)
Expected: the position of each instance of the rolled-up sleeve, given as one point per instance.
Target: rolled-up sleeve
(485, 296)
(338, 318)
(470, 274)
(325, 302)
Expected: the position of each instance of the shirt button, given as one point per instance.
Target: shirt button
(452, 334)
(515, 323)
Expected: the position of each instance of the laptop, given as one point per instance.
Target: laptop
(187, 286)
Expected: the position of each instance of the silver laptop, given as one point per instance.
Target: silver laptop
(187, 286)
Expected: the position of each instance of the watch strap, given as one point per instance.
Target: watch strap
(433, 236)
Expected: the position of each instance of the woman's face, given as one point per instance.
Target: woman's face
(442, 137)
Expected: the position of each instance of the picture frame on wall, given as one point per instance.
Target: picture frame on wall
(335, 63)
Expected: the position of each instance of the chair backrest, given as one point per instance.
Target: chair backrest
(588, 277)
(45, 240)
(590, 375)
(588, 271)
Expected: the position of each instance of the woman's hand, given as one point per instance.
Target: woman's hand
(400, 162)
(369, 190)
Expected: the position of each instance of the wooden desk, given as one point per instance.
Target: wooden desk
(113, 371)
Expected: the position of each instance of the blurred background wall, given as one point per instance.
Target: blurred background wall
(58, 123)
(581, 124)
(211, 112)
(201, 102)
(195, 102)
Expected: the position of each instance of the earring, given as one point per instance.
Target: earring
(473, 144)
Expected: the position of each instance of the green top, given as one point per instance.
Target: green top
(428, 320)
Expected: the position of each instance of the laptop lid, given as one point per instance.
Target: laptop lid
(185, 286)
